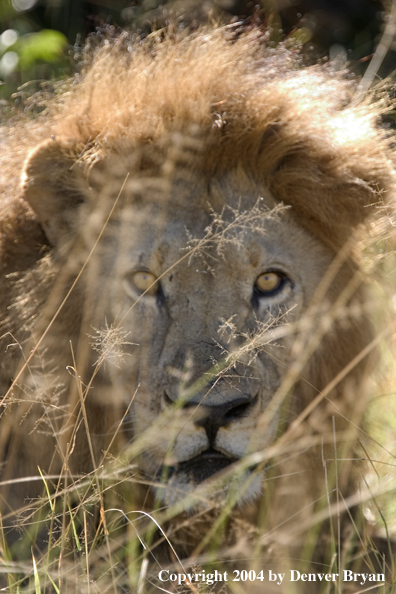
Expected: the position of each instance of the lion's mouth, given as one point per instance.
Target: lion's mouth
(209, 469)
(201, 467)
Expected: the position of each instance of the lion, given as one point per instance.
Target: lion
(184, 287)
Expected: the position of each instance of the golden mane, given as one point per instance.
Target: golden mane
(299, 132)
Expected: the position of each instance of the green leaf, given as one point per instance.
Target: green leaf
(302, 35)
(53, 584)
(47, 489)
(36, 576)
(46, 45)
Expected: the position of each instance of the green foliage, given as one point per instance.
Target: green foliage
(46, 45)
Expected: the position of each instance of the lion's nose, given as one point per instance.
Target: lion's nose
(211, 418)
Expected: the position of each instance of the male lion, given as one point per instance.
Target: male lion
(181, 242)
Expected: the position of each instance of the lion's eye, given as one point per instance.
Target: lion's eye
(145, 282)
(269, 283)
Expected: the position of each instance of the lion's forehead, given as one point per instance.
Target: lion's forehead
(190, 239)
(207, 263)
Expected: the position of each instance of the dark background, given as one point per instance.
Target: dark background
(43, 39)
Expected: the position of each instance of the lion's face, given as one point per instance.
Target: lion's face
(221, 286)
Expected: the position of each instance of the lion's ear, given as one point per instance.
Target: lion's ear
(53, 184)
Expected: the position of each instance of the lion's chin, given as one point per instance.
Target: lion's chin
(204, 481)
